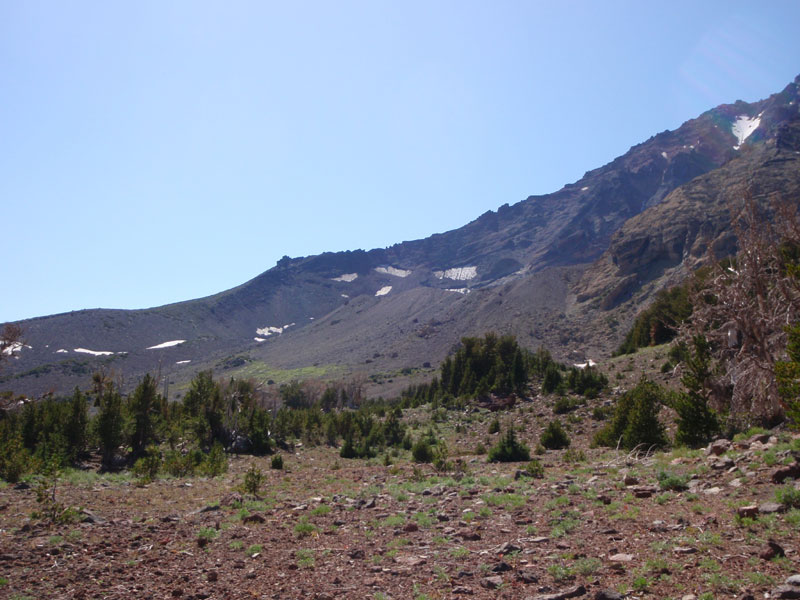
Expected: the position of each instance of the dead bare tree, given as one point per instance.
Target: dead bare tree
(10, 341)
(744, 308)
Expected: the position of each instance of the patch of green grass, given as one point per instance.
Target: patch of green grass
(506, 500)
(792, 517)
(587, 566)
(641, 583)
(631, 513)
(662, 499)
(303, 528)
(758, 578)
(441, 575)
(55, 539)
(81, 478)
(564, 524)
(75, 535)
(459, 552)
(3, 581)
(560, 572)
(305, 559)
(322, 509)
(208, 533)
(709, 539)
(484, 512)
(254, 549)
(788, 496)
(746, 435)
(394, 521)
(556, 503)
(722, 582)
(670, 481)
(256, 505)
(424, 520)
(236, 545)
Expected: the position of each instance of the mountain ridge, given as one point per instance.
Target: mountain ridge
(559, 242)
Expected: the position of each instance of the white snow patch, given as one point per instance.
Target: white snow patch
(62, 351)
(169, 344)
(743, 127)
(258, 339)
(269, 330)
(345, 296)
(93, 352)
(347, 277)
(15, 347)
(584, 188)
(458, 273)
(459, 290)
(393, 271)
(183, 362)
(588, 363)
(384, 290)
(664, 154)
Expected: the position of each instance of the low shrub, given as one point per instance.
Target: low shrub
(788, 496)
(14, 459)
(179, 465)
(253, 479)
(146, 468)
(422, 452)
(672, 481)
(216, 462)
(508, 449)
(534, 468)
(564, 405)
(554, 437)
(635, 420)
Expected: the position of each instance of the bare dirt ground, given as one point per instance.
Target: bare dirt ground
(597, 525)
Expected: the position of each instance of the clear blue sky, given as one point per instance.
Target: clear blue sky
(152, 152)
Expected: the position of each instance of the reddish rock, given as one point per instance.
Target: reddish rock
(771, 550)
(747, 512)
(788, 472)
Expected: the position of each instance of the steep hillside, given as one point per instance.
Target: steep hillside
(518, 269)
(662, 245)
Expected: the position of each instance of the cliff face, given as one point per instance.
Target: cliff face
(673, 238)
(547, 268)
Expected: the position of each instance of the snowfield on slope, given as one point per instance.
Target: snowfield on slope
(458, 273)
(347, 277)
(93, 352)
(384, 290)
(393, 271)
(169, 344)
(743, 127)
(270, 330)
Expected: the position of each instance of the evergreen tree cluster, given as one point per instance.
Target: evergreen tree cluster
(480, 366)
(659, 323)
(213, 415)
